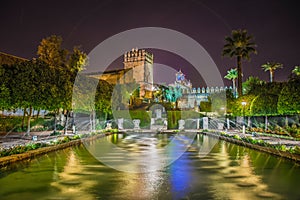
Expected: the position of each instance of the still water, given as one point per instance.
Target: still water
(228, 171)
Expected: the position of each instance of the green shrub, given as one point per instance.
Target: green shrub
(144, 116)
(237, 137)
(173, 117)
(65, 139)
(76, 137)
(297, 150)
(59, 127)
(10, 123)
(54, 133)
(293, 130)
(159, 122)
(281, 147)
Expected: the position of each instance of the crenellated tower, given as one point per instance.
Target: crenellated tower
(140, 63)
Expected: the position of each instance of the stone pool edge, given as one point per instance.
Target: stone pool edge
(287, 155)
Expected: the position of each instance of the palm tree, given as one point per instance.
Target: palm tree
(239, 45)
(232, 74)
(271, 67)
(296, 70)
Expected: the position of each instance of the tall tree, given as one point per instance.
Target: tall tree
(232, 75)
(103, 99)
(239, 45)
(5, 93)
(24, 86)
(271, 67)
(50, 51)
(64, 67)
(77, 60)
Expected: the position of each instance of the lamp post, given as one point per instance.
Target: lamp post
(244, 103)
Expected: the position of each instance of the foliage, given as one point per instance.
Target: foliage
(289, 98)
(296, 70)
(142, 115)
(218, 102)
(9, 123)
(232, 74)
(238, 109)
(230, 99)
(174, 116)
(50, 51)
(271, 67)
(43, 83)
(237, 137)
(13, 123)
(103, 99)
(293, 130)
(261, 99)
(264, 104)
(205, 106)
(77, 60)
(252, 84)
(123, 94)
(173, 93)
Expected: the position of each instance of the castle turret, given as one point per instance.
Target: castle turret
(140, 63)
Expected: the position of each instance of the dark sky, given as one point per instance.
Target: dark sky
(275, 24)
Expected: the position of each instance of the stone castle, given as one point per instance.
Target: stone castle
(138, 68)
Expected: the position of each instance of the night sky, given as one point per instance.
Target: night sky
(275, 26)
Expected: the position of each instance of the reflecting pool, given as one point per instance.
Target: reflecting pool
(228, 171)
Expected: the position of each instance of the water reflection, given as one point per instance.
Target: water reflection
(227, 172)
(140, 152)
(71, 182)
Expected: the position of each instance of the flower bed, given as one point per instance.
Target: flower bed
(290, 131)
(30, 150)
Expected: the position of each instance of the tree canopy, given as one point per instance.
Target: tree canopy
(271, 67)
(232, 75)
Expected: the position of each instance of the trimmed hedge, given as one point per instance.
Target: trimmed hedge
(144, 116)
(174, 116)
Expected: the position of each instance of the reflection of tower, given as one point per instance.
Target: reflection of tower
(141, 64)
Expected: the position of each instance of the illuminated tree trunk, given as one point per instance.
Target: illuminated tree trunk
(271, 75)
(23, 119)
(239, 68)
(38, 113)
(55, 120)
(28, 120)
(66, 122)
(234, 88)
(266, 123)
